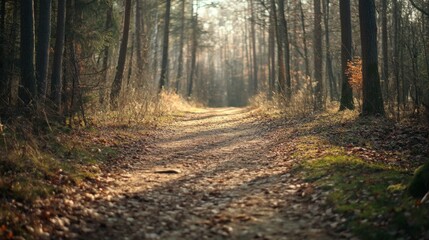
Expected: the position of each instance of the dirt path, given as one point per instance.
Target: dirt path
(210, 175)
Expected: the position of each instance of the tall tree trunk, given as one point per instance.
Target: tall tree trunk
(106, 53)
(330, 73)
(117, 82)
(396, 52)
(138, 43)
(285, 38)
(304, 40)
(248, 49)
(346, 55)
(280, 55)
(372, 96)
(181, 45)
(3, 79)
(193, 52)
(413, 51)
(255, 59)
(130, 62)
(164, 64)
(424, 33)
(272, 56)
(27, 88)
(56, 81)
(296, 51)
(384, 45)
(68, 66)
(44, 36)
(155, 45)
(318, 69)
(11, 51)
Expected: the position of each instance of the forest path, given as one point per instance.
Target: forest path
(210, 175)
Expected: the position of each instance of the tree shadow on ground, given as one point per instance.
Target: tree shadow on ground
(256, 206)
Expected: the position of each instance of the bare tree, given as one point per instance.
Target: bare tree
(328, 56)
(56, 81)
(181, 45)
(117, 82)
(372, 96)
(254, 83)
(27, 88)
(193, 50)
(285, 37)
(304, 40)
(164, 64)
(280, 55)
(384, 46)
(106, 56)
(272, 56)
(44, 36)
(3, 70)
(346, 55)
(318, 69)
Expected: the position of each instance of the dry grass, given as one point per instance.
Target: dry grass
(143, 109)
(300, 105)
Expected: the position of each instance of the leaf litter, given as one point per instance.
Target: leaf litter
(223, 174)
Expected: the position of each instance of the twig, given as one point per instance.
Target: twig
(47, 120)
(425, 198)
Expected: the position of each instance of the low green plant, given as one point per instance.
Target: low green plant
(371, 196)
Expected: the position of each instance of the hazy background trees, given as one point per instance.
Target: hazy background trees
(79, 55)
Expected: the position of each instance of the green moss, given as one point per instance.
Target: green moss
(370, 195)
(419, 185)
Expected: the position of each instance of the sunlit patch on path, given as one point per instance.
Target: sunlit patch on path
(210, 175)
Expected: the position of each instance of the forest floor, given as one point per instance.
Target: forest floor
(231, 173)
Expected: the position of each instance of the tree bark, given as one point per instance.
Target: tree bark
(56, 81)
(27, 89)
(181, 45)
(164, 64)
(117, 82)
(10, 50)
(272, 56)
(318, 68)
(130, 62)
(384, 45)
(346, 55)
(106, 55)
(193, 54)
(44, 36)
(328, 62)
(421, 9)
(304, 40)
(285, 38)
(253, 38)
(372, 96)
(396, 53)
(138, 42)
(3, 79)
(280, 55)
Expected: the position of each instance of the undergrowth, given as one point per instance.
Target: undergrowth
(40, 159)
(298, 106)
(371, 196)
(36, 166)
(365, 165)
(143, 110)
